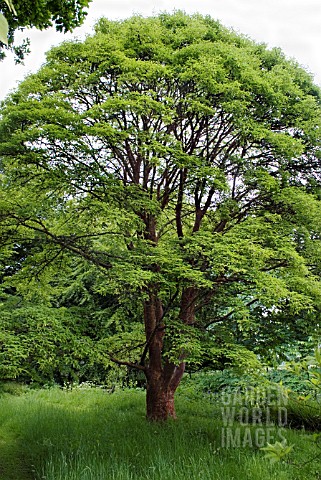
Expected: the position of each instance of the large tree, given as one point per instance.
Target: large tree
(183, 161)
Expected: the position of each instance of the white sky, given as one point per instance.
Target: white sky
(293, 25)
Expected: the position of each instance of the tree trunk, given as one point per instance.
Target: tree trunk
(160, 404)
(163, 377)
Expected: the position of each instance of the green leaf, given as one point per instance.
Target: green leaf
(4, 29)
(277, 451)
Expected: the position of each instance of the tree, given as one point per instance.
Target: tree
(56, 336)
(182, 161)
(65, 15)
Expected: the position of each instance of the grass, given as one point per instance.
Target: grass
(92, 435)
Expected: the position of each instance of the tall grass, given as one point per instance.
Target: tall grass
(93, 435)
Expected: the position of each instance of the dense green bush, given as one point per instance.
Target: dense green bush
(297, 382)
(297, 389)
(215, 383)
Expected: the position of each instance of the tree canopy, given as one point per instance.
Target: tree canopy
(18, 14)
(182, 161)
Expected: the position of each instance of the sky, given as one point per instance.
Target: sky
(292, 25)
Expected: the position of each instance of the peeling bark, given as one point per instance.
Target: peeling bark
(163, 376)
(159, 401)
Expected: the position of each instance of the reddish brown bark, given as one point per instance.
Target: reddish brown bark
(187, 310)
(160, 402)
(163, 377)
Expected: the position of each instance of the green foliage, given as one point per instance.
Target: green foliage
(310, 366)
(295, 382)
(304, 406)
(40, 14)
(4, 29)
(43, 345)
(293, 391)
(313, 367)
(184, 338)
(278, 451)
(215, 383)
(65, 330)
(180, 160)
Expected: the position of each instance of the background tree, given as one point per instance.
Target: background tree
(182, 161)
(18, 14)
(57, 331)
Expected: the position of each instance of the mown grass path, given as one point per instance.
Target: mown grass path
(14, 465)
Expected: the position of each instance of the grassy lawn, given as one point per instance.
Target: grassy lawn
(92, 435)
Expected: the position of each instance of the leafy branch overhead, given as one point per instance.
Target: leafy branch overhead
(183, 162)
(4, 27)
(19, 14)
